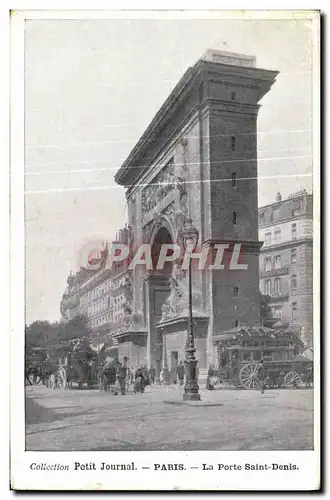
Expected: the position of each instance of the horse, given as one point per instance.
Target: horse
(33, 372)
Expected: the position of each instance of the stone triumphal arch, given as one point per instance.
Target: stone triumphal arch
(196, 159)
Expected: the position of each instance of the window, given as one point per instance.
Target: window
(233, 143)
(277, 235)
(236, 291)
(234, 218)
(268, 238)
(268, 287)
(262, 216)
(233, 96)
(294, 231)
(277, 312)
(233, 179)
(257, 355)
(293, 256)
(268, 264)
(246, 356)
(277, 286)
(293, 283)
(296, 209)
(278, 262)
(274, 214)
(294, 311)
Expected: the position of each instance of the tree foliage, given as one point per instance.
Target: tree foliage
(41, 335)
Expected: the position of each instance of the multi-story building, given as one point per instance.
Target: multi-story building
(286, 260)
(100, 295)
(70, 303)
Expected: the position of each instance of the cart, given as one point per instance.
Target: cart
(70, 363)
(241, 349)
(290, 374)
(82, 365)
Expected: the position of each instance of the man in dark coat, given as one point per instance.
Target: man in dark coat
(121, 378)
(140, 382)
(152, 374)
(261, 375)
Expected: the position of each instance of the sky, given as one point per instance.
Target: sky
(91, 89)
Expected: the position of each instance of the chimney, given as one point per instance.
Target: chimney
(278, 196)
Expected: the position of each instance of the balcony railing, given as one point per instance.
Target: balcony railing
(282, 271)
(279, 297)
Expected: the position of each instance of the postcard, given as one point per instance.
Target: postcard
(165, 207)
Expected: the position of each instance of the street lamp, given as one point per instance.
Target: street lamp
(190, 239)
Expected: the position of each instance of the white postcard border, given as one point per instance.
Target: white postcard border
(22, 477)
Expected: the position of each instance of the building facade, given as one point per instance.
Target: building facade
(100, 293)
(286, 260)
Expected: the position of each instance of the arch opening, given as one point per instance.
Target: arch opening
(162, 237)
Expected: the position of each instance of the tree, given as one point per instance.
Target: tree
(37, 333)
(266, 315)
(77, 327)
(40, 335)
(37, 338)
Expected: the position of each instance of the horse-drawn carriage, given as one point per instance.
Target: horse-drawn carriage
(241, 349)
(77, 364)
(65, 364)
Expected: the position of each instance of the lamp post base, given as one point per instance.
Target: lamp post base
(191, 387)
(191, 396)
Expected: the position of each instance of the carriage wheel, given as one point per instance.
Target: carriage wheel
(247, 376)
(291, 380)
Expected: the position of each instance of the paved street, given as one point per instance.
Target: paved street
(158, 420)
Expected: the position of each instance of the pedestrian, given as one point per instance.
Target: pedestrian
(173, 375)
(90, 372)
(128, 378)
(309, 377)
(180, 371)
(139, 384)
(260, 374)
(152, 374)
(210, 374)
(120, 379)
(108, 373)
(132, 373)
